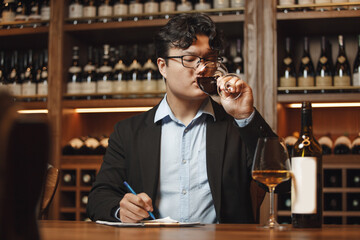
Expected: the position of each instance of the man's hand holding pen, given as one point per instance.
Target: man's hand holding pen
(134, 208)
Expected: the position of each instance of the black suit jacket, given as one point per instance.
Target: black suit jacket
(133, 155)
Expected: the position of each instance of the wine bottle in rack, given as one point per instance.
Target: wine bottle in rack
(35, 11)
(68, 178)
(238, 60)
(73, 147)
(356, 71)
(136, 7)
(353, 178)
(167, 6)
(151, 6)
(120, 83)
(84, 199)
(8, 11)
(149, 73)
(237, 3)
(105, 76)
(20, 11)
(38, 59)
(287, 73)
(219, 4)
(74, 80)
(135, 83)
(105, 10)
(90, 145)
(355, 145)
(322, 2)
(353, 201)
(89, 9)
(76, 9)
(284, 201)
(332, 202)
(43, 82)
(104, 142)
(28, 87)
(3, 79)
(14, 80)
(306, 192)
(323, 69)
(342, 145)
(290, 142)
(88, 177)
(88, 84)
(121, 8)
(202, 5)
(332, 178)
(342, 75)
(326, 144)
(184, 5)
(285, 3)
(306, 69)
(45, 10)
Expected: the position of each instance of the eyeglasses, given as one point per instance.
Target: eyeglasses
(191, 61)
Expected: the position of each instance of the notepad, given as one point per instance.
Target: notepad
(161, 222)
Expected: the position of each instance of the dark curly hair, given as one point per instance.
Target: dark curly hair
(181, 31)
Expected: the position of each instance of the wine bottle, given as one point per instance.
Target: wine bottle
(101, 149)
(184, 5)
(45, 10)
(89, 9)
(90, 144)
(332, 202)
(284, 201)
(202, 5)
(237, 3)
(356, 72)
(322, 2)
(88, 84)
(167, 6)
(105, 76)
(74, 81)
(218, 4)
(149, 73)
(14, 81)
(353, 201)
(342, 67)
(68, 178)
(238, 61)
(84, 199)
(151, 6)
(38, 60)
(105, 10)
(332, 178)
(88, 177)
(290, 142)
(287, 74)
(35, 10)
(8, 11)
(342, 145)
(76, 9)
(353, 178)
(135, 84)
(3, 81)
(29, 85)
(306, 69)
(20, 11)
(306, 189)
(136, 7)
(121, 8)
(326, 144)
(323, 69)
(120, 74)
(43, 81)
(355, 146)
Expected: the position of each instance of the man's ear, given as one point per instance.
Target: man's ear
(162, 66)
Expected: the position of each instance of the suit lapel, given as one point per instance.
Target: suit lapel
(215, 141)
(149, 154)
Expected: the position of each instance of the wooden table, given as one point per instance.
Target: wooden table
(74, 230)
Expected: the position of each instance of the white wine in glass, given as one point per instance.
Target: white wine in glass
(271, 167)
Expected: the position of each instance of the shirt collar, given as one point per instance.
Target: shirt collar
(164, 110)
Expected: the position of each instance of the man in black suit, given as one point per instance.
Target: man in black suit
(189, 157)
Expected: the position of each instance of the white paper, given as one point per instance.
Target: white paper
(161, 222)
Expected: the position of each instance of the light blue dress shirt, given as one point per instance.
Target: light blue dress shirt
(184, 191)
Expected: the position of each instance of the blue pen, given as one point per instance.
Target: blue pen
(133, 192)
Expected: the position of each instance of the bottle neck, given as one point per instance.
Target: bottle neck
(306, 121)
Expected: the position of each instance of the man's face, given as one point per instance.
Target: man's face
(181, 81)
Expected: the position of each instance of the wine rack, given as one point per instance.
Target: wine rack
(341, 197)
(73, 194)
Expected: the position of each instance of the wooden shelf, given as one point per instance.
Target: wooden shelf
(32, 105)
(316, 15)
(318, 97)
(82, 159)
(126, 102)
(68, 210)
(30, 30)
(326, 213)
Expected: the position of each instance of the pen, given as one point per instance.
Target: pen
(133, 192)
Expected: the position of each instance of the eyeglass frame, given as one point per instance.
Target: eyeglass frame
(218, 59)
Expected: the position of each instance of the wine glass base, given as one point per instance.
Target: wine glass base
(273, 225)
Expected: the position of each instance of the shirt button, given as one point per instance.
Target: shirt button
(186, 130)
(183, 192)
(183, 161)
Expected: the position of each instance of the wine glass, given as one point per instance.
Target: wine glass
(271, 166)
(208, 75)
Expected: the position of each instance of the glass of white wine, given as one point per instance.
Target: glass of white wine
(271, 166)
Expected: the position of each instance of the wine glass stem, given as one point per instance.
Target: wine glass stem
(272, 221)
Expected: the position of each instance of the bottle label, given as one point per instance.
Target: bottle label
(104, 86)
(121, 9)
(136, 8)
(204, 6)
(303, 185)
(167, 6)
(161, 85)
(135, 86)
(221, 3)
(74, 88)
(342, 81)
(237, 3)
(42, 88)
(45, 13)
(8, 16)
(151, 7)
(120, 86)
(28, 89)
(325, 81)
(306, 1)
(149, 86)
(90, 11)
(286, 2)
(88, 87)
(15, 89)
(105, 11)
(287, 82)
(75, 10)
(186, 6)
(356, 79)
(306, 81)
